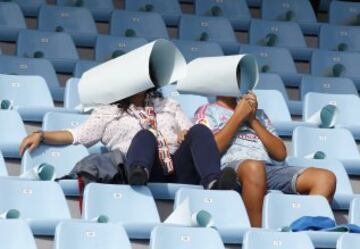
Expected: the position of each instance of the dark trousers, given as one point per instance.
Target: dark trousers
(197, 160)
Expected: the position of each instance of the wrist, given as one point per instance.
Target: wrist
(39, 133)
(253, 122)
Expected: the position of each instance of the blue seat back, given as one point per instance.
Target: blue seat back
(81, 66)
(30, 8)
(93, 5)
(164, 8)
(196, 49)
(347, 241)
(72, 99)
(339, 38)
(354, 214)
(55, 121)
(3, 170)
(344, 13)
(15, 233)
(230, 9)
(272, 81)
(11, 16)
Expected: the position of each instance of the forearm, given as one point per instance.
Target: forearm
(57, 137)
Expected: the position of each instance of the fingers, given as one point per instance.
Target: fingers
(24, 146)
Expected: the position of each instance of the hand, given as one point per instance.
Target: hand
(31, 142)
(251, 97)
(181, 136)
(244, 107)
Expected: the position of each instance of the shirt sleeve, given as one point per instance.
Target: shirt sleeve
(207, 116)
(266, 122)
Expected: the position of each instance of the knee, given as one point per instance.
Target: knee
(199, 131)
(326, 180)
(145, 136)
(252, 172)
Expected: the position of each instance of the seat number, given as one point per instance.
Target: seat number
(296, 205)
(277, 243)
(44, 40)
(185, 238)
(90, 234)
(74, 123)
(27, 191)
(194, 49)
(323, 138)
(122, 45)
(208, 200)
(135, 19)
(15, 84)
(64, 14)
(204, 24)
(23, 66)
(327, 85)
(117, 196)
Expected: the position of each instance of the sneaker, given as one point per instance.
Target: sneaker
(137, 175)
(226, 181)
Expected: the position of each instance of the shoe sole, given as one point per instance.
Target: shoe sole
(138, 177)
(228, 179)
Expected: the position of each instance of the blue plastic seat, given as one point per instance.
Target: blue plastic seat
(170, 10)
(138, 24)
(344, 13)
(195, 49)
(29, 66)
(11, 22)
(176, 237)
(29, 8)
(274, 105)
(280, 210)
(3, 170)
(86, 235)
(299, 11)
(335, 143)
(100, 9)
(205, 28)
(280, 34)
(339, 38)
(226, 207)
(16, 234)
(236, 11)
(41, 204)
(12, 132)
(189, 103)
(109, 47)
(336, 64)
(354, 214)
(274, 60)
(71, 99)
(115, 201)
(76, 21)
(324, 5)
(257, 239)
(59, 48)
(347, 241)
(83, 65)
(254, 3)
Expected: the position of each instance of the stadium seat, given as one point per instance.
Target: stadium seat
(90, 235)
(16, 233)
(336, 64)
(12, 132)
(72, 99)
(226, 208)
(348, 106)
(344, 13)
(347, 241)
(344, 193)
(41, 204)
(115, 201)
(29, 8)
(280, 34)
(275, 60)
(29, 66)
(59, 48)
(3, 170)
(76, 21)
(335, 143)
(63, 158)
(274, 105)
(83, 65)
(280, 210)
(354, 214)
(195, 49)
(170, 10)
(205, 28)
(176, 237)
(100, 9)
(109, 47)
(236, 11)
(138, 24)
(189, 103)
(254, 3)
(292, 11)
(272, 81)
(339, 38)
(257, 239)
(11, 22)
(167, 191)
(324, 5)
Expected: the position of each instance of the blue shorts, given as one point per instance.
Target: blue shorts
(282, 178)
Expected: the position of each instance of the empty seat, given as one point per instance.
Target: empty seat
(12, 132)
(279, 34)
(76, 21)
(275, 60)
(41, 204)
(30, 8)
(72, 99)
(138, 24)
(354, 214)
(344, 13)
(101, 9)
(236, 11)
(115, 201)
(203, 28)
(299, 11)
(59, 48)
(271, 239)
(335, 143)
(109, 47)
(280, 210)
(11, 22)
(339, 38)
(254, 3)
(86, 235)
(173, 237)
(3, 170)
(196, 49)
(16, 234)
(170, 9)
(336, 64)
(81, 66)
(29, 66)
(226, 208)
(347, 241)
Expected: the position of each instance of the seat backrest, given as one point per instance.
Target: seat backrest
(226, 207)
(231, 9)
(138, 24)
(55, 121)
(196, 49)
(339, 38)
(165, 237)
(281, 210)
(16, 233)
(71, 98)
(168, 7)
(347, 241)
(344, 13)
(272, 81)
(82, 66)
(3, 170)
(86, 235)
(90, 4)
(354, 212)
(11, 16)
